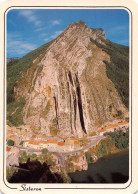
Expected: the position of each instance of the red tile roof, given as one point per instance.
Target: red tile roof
(61, 143)
(8, 149)
(101, 130)
(76, 141)
(52, 141)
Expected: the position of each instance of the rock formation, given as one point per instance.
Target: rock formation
(66, 89)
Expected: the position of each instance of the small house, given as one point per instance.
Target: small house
(101, 131)
(52, 144)
(61, 146)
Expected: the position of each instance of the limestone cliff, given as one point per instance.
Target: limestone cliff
(66, 88)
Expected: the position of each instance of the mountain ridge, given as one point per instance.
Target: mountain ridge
(67, 90)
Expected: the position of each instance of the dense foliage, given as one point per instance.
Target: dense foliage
(118, 68)
(10, 142)
(44, 151)
(12, 62)
(88, 157)
(21, 143)
(113, 143)
(15, 109)
(120, 139)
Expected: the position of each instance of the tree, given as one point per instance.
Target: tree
(44, 151)
(24, 154)
(88, 157)
(34, 155)
(10, 142)
(21, 143)
(103, 148)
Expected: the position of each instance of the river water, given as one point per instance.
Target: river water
(112, 169)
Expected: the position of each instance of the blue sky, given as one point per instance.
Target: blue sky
(28, 29)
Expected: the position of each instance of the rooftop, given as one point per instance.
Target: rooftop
(52, 141)
(101, 130)
(61, 143)
(8, 149)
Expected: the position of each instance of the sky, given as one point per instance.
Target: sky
(27, 29)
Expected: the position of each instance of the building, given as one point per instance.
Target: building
(101, 131)
(76, 144)
(33, 144)
(52, 145)
(61, 146)
(8, 149)
(72, 143)
(25, 143)
(42, 144)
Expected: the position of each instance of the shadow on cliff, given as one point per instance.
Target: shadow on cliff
(115, 178)
(35, 172)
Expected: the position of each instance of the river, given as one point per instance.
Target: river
(111, 169)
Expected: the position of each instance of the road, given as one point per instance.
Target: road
(86, 147)
(61, 155)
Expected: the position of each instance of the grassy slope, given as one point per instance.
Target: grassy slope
(118, 68)
(14, 70)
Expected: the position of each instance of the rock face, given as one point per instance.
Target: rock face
(69, 93)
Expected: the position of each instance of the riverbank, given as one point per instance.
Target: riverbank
(112, 155)
(111, 168)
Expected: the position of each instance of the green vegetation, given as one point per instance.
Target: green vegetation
(101, 150)
(42, 158)
(24, 154)
(119, 139)
(10, 142)
(88, 157)
(21, 143)
(14, 75)
(34, 155)
(70, 167)
(9, 172)
(14, 71)
(44, 151)
(113, 143)
(12, 62)
(14, 112)
(64, 175)
(118, 68)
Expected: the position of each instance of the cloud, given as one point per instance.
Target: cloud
(56, 34)
(30, 16)
(118, 29)
(55, 22)
(15, 44)
(51, 24)
(46, 39)
(39, 29)
(43, 34)
(53, 36)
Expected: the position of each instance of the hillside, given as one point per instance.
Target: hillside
(71, 86)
